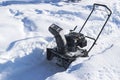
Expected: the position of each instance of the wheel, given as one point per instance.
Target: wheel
(85, 53)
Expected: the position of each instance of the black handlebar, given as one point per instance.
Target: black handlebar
(103, 24)
(95, 39)
(103, 6)
(95, 4)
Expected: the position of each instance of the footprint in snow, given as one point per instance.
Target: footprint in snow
(15, 12)
(29, 25)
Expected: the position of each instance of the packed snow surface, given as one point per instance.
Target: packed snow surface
(24, 37)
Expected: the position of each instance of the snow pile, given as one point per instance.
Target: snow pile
(24, 37)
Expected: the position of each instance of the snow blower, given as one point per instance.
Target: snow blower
(71, 46)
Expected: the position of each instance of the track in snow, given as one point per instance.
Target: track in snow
(27, 60)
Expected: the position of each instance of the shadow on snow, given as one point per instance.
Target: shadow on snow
(30, 67)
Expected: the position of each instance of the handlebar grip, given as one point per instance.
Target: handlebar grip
(96, 4)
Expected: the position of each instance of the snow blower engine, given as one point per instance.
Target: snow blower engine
(71, 46)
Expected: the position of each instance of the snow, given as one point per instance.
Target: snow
(24, 37)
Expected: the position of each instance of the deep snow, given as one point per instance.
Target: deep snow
(24, 37)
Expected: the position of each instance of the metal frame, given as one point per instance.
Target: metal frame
(110, 12)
